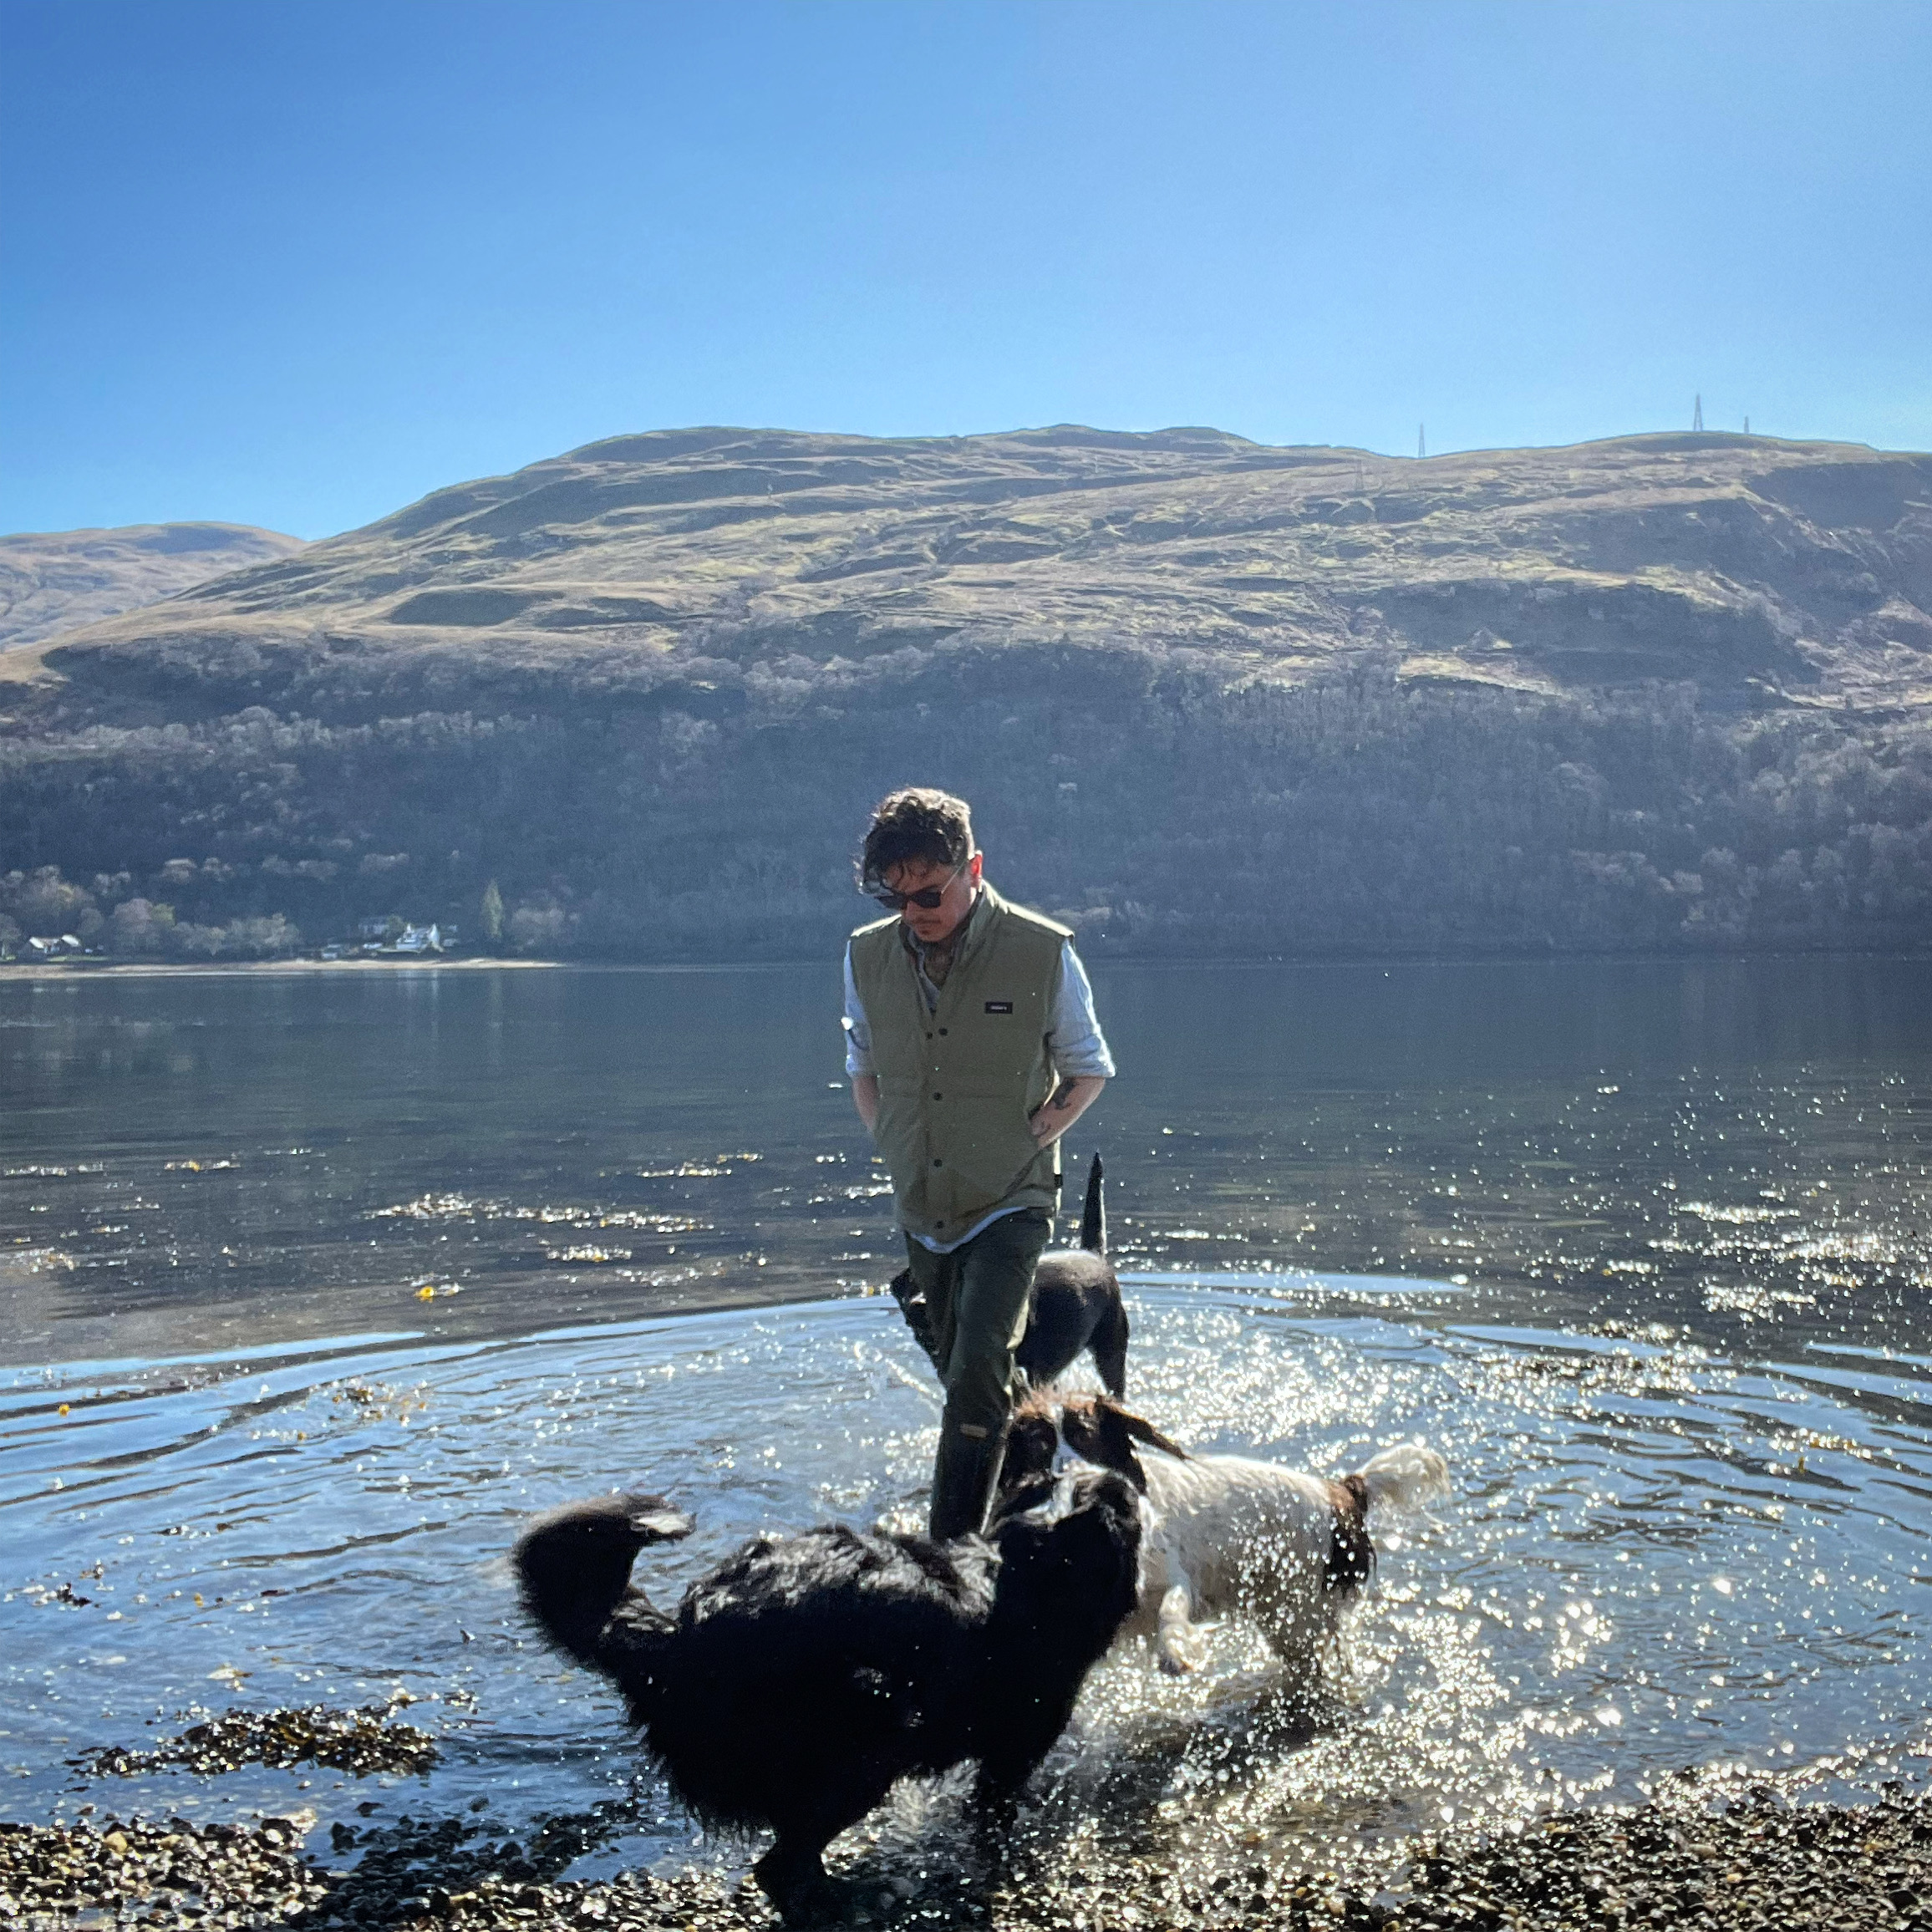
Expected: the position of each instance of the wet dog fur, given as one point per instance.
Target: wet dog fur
(799, 1680)
(1226, 1535)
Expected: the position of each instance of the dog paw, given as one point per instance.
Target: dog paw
(811, 1911)
(1174, 1665)
(804, 1897)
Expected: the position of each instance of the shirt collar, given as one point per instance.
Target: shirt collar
(946, 949)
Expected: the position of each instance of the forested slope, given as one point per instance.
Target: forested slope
(1208, 696)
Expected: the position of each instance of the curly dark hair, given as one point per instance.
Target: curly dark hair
(915, 823)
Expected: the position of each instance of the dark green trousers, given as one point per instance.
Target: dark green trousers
(968, 1311)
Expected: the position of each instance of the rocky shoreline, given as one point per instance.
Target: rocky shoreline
(1755, 1862)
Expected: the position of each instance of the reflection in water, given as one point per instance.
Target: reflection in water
(1736, 1148)
(349, 1273)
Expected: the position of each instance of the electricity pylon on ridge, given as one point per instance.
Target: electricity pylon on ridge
(1697, 413)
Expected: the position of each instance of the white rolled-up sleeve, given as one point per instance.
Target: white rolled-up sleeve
(857, 1033)
(1078, 1047)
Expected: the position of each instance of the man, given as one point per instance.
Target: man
(971, 1046)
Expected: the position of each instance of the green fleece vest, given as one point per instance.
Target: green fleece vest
(956, 1084)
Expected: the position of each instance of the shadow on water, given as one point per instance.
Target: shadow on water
(386, 1863)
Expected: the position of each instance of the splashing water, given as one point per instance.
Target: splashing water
(1651, 1557)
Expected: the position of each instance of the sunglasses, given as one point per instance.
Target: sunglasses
(927, 900)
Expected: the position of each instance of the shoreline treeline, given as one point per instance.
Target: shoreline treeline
(1161, 804)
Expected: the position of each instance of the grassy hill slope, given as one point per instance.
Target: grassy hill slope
(1209, 696)
(61, 580)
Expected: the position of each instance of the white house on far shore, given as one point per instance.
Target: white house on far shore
(408, 938)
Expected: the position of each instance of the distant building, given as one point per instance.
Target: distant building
(393, 935)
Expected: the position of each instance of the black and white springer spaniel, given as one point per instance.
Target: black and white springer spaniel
(1225, 1535)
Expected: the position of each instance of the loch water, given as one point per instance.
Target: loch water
(313, 1285)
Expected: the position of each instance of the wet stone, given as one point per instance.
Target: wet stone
(1585, 1870)
(361, 1741)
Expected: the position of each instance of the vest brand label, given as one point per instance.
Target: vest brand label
(999, 1006)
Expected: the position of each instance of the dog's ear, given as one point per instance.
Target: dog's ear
(1030, 1442)
(1142, 1430)
(1095, 1432)
(1018, 1495)
(1102, 1490)
(1096, 1544)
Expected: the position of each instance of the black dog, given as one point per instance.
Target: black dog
(798, 1682)
(1076, 1304)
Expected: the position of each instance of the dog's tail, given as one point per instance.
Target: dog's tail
(1093, 1219)
(1406, 1475)
(574, 1571)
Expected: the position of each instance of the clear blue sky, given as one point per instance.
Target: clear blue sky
(295, 262)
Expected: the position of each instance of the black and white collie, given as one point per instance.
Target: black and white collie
(1076, 1305)
(1226, 1535)
(797, 1682)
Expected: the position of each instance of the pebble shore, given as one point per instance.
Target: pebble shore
(1750, 1865)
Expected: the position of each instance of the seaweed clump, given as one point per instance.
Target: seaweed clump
(361, 1741)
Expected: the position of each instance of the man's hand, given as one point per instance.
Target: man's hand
(865, 1097)
(1073, 1099)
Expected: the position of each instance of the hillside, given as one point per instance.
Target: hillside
(61, 580)
(1728, 560)
(1211, 696)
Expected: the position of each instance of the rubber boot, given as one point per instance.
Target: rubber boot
(964, 1478)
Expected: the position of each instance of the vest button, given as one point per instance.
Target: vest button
(937, 1163)
(941, 1030)
(938, 1096)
